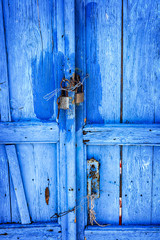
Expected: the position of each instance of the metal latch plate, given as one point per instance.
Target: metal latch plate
(93, 177)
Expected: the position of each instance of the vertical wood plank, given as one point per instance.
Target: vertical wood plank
(137, 184)
(62, 119)
(80, 121)
(107, 206)
(140, 105)
(5, 210)
(17, 183)
(141, 61)
(69, 17)
(4, 97)
(103, 56)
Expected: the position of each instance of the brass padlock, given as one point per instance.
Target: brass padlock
(79, 96)
(63, 100)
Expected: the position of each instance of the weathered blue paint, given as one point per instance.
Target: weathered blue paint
(141, 68)
(122, 134)
(62, 121)
(43, 82)
(42, 42)
(69, 17)
(123, 233)
(34, 231)
(18, 184)
(29, 132)
(107, 206)
(36, 163)
(103, 54)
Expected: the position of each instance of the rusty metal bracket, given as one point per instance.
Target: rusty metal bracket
(93, 178)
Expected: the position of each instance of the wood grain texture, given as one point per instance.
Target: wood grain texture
(5, 211)
(155, 216)
(107, 206)
(12, 159)
(80, 64)
(103, 56)
(69, 21)
(4, 96)
(122, 134)
(5, 208)
(39, 171)
(60, 63)
(123, 233)
(27, 132)
(34, 231)
(140, 105)
(18, 184)
(141, 61)
(30, 48)
(136, 185)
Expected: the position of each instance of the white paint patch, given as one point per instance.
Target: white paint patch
(145, 163)
(107, 16)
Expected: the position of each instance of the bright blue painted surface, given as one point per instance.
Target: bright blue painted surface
(41, 42)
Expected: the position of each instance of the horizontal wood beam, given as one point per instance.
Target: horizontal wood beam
(123, 233)
(28, 132)
(33, 231)
(122, 134)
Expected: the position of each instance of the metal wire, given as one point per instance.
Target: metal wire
(48, 96)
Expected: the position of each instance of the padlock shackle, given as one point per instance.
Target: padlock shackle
(65, 80)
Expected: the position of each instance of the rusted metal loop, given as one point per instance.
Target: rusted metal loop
(65, 80)
(58, 100)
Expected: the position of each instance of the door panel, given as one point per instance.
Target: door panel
(29, 181)
(107, 206)
(29, 41)
(137, 183)
(120, 57)
(140, 185)
(103, 61)
(140, 59)
(38, 164)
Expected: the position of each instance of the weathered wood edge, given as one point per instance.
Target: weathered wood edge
(35, 231)
(122, 134)
(28, 132)
(105, 127)
(18, 184)
(123, 232)
(32, 225)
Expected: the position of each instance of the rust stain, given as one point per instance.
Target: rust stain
(85, 141)
(47, 195)
(75, 220)
(85, 120)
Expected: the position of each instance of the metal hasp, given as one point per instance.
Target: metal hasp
(93, 177)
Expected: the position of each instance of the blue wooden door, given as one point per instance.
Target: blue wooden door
(117, 45)
(31, 189)
(43, 160)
